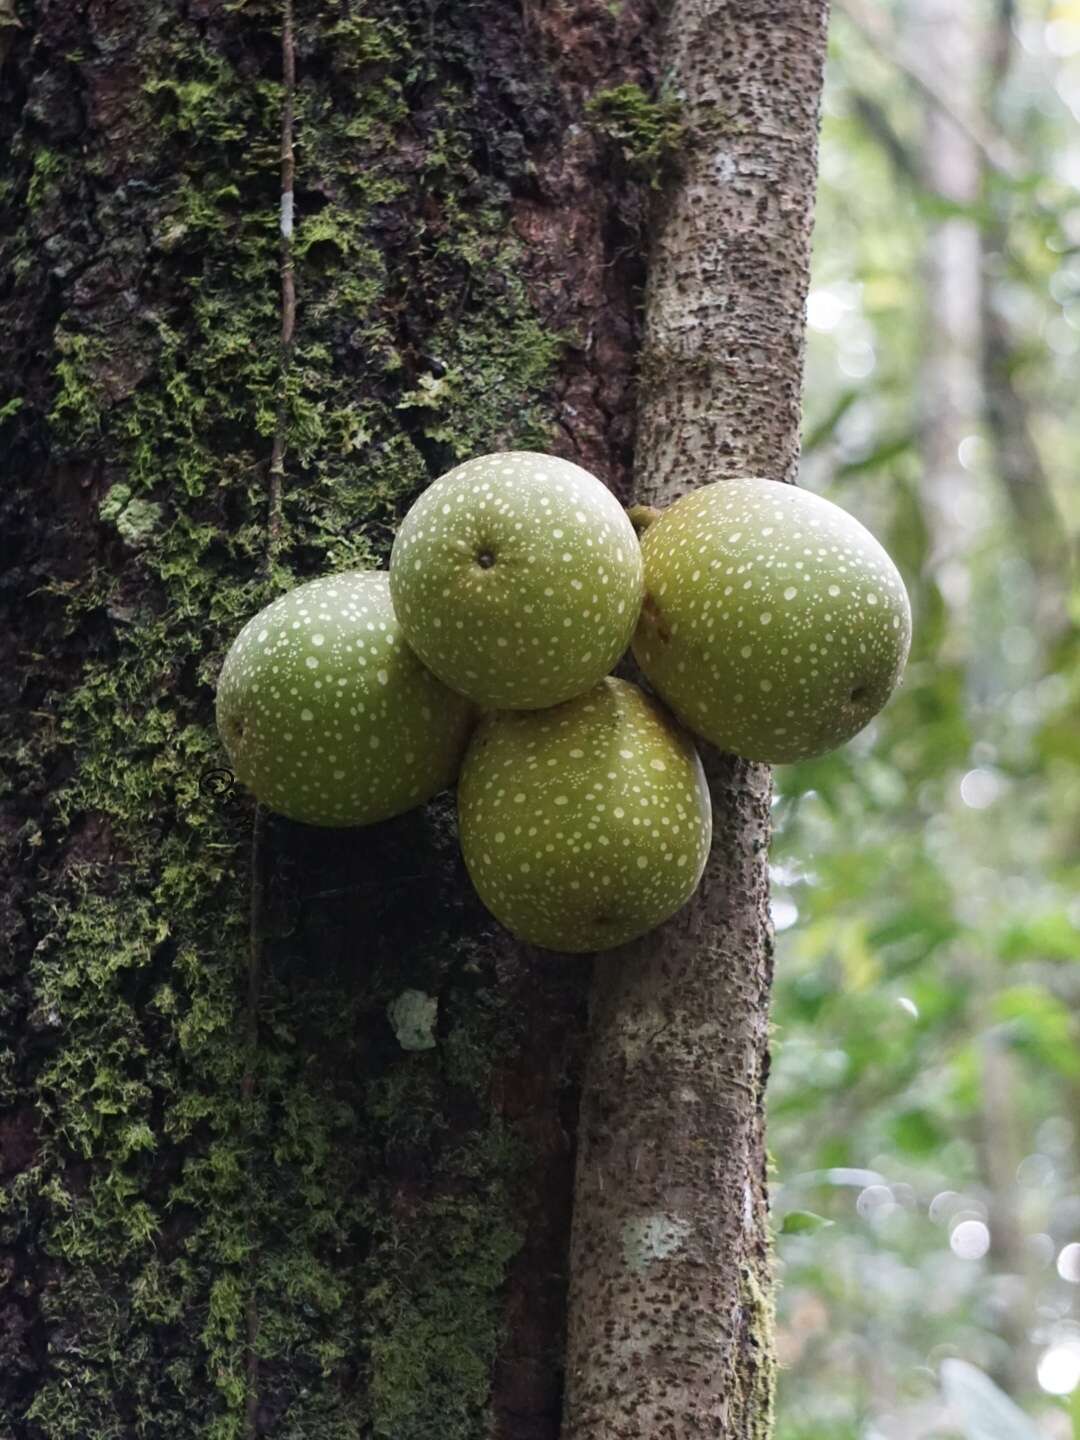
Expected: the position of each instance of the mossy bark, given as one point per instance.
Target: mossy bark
(220, 1220)
(670, 1333)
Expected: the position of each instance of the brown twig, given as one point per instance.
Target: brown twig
(642, 516)
(876, 120)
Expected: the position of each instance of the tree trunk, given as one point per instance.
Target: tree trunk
(942, 32)
(1007, 412)
(962, 337)
(291, 1159)
(670, 1330)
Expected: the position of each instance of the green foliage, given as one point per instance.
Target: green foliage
(925, 877)
(803, 1222)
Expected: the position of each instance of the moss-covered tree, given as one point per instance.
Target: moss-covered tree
(287, 1130)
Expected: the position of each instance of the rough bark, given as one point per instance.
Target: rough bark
(361, 1239)
(670, 1299)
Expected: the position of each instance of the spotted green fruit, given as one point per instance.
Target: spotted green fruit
(774, 624)
(328, 716)
(585, 825)
(517, 579)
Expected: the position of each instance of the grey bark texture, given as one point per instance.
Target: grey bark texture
(670, 1287)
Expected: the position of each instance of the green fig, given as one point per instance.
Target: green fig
(585, 825)
(517, 579)
(774, 624)
(328, 716)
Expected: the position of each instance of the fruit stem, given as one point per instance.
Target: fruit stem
(642, 516)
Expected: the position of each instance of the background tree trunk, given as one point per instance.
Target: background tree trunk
(226, 1217)
(942, 32)
(1016, 455)
(670, 1286)
(964, 379)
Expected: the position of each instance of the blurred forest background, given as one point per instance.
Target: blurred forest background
(925, 1100)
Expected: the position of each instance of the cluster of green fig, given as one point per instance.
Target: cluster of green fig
(768, 621)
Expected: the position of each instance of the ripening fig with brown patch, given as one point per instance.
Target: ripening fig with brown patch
(774, 624)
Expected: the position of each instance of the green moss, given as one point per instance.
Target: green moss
(755, 1374)
(433, 1350)
(77, 405)
(647, 133)
(358, 41)
(48, 170)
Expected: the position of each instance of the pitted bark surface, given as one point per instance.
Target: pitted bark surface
(670, 1310)
(670, 1227)
(730, 256)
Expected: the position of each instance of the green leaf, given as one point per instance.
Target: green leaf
(983, 1411)
(1050, 936)
(1041, 1026)
(916, 1132)
(803, 1222)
